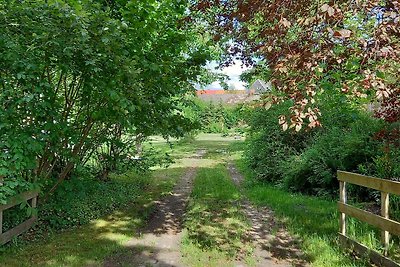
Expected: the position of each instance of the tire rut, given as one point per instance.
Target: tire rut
(273, 245)
(159, 242)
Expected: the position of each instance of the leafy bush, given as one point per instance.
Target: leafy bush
(78, 75)
(79, 200)
(214, 118)
(268, 146)
(313, 171)
(307, 161)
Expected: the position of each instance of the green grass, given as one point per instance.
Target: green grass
(91, 243)
(314, 220)
(215, 226)
(180, 149)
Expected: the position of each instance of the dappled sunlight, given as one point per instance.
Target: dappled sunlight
(189, 162)
(314, 220)
(159, 240)
(214, 220)
(270, 236)
(88, 245)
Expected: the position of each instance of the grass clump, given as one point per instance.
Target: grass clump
(216, 227)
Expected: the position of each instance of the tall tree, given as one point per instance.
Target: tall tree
(312, 47)
(76, 75)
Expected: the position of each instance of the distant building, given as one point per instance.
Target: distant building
(259, 87)
(223, 96)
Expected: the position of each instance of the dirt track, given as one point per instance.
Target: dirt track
(273, 245)
(159, 245)
(160, 240)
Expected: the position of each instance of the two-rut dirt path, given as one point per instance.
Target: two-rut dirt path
(160, 240)
(273, 245)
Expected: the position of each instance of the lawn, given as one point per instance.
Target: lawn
(215, 227)
(91, 243)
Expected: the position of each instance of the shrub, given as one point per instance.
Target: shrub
(313, 171)
(268, 146)
(80, 200)
(214, 117)
(307, 161)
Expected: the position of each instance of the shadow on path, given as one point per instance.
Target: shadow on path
(274, 246)
(159, 242)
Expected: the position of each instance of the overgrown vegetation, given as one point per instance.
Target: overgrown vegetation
(307, 161)
(216, 117)
(329, 66)
(85, 81)
(335, 98)
(116, 211)
(83, 85)
(314, 221)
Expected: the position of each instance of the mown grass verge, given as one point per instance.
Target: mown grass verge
(89, 244)
(215, 227)
(312, 219)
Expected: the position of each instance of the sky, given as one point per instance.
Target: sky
(233, 72)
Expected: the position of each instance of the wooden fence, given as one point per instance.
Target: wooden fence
(17, 230)
(383, 222)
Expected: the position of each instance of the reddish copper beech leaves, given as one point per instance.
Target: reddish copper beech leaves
(312, 47)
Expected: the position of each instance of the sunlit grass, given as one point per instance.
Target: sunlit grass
(214, 222)
(216, 226)
(195, 256)
(314, 220)
(91, 243)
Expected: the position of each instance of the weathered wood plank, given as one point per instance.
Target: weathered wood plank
(362, 250)
(385, 214)
(34, 202)
(7, 236)
(371, 182)
(343, 199)
(1, 222)
(368, 217)
(13, 201)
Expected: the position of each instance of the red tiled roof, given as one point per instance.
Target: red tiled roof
(219, 92)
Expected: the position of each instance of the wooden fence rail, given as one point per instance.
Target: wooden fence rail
(17, 230)
(383, 222)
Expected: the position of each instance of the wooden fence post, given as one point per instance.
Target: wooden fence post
(343, 199)
(385, 214)
(1, 212)
(34, 204)
(22, 227)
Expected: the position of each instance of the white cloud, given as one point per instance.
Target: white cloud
(233, 73)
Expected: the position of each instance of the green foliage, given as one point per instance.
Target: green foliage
(313, 170)
(215, 117)
(78, 76)
(82, 199)
(307, 161)
(78, 201)
(267, 145)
